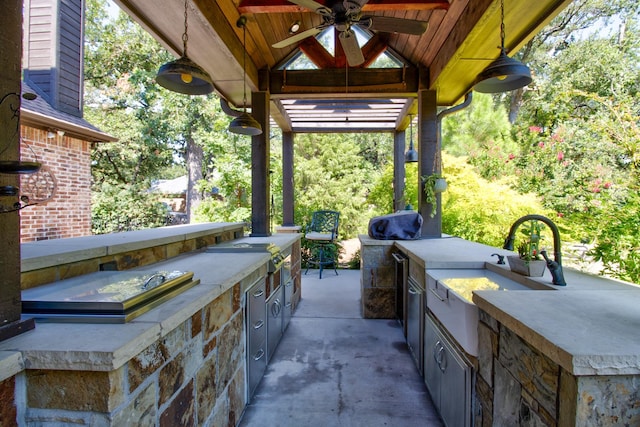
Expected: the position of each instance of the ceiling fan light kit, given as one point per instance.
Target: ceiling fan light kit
(343, 15)
(183, 75)
(505, 73)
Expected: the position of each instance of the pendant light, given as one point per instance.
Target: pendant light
(183, 75)
(411, 156)
(244, 124)
(505, 73)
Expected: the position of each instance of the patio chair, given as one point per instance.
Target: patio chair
(322, 232)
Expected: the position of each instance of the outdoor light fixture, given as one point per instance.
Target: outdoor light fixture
(183, 75)
(294, 28)
(411, 156)
(244, 124)
(505, 73)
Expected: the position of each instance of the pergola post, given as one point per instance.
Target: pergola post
(260, 161)
(10, 74)
(399, 201)
(287, 179)
(428, 143)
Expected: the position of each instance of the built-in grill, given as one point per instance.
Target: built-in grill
(277, 258)
(104, 296)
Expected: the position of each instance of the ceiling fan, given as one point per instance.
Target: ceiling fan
(345, 14)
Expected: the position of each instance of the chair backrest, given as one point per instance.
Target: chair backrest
(325, 222)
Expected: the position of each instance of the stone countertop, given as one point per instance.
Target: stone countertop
(589, 327)
(591, 332)
(10, 364)
(450, 252)
(105, 347)
(48, 253)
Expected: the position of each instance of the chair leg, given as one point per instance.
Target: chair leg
(321, 261)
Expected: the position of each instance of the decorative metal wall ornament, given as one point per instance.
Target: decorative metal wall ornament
(35, 188)
(37, 184)
(245, 123)
(505, 73)
(183, 75)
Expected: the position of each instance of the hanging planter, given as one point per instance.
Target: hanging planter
(433, 184)
(440, 185)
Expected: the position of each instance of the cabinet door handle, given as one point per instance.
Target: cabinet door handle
(433, 291)
(259, 324)
(398, 257)
(275, 308)
(259, 355)
(258, 293)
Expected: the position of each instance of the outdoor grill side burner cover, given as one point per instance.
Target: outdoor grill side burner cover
(104, 296)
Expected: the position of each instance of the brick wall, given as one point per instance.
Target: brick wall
(68, 212)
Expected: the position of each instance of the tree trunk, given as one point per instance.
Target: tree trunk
(194, 158)
(515, 104)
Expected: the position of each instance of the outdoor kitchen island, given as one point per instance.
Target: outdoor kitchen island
(180, 363)
(545, 355)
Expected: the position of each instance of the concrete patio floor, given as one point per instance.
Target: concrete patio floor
(333, 368)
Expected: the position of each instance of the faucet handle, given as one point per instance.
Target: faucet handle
(500, 258)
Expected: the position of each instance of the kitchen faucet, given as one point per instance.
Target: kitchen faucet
(555, 266)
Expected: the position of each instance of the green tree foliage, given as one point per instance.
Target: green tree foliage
(143, 210)
(482, 133)
(156, 128)
(578, 128)
(478, 209)
(331, 172)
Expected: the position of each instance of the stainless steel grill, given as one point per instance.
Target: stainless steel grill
(277, 258)
(104, 296)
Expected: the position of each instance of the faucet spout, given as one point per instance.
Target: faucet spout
(555, 266)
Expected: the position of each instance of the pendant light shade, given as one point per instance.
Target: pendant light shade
(502, 75)
(245, 124)
(183, 75)
(411, 156)
(505, 73)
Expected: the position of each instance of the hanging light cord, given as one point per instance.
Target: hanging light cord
(185, 36)
(502, 32)
(244, 67)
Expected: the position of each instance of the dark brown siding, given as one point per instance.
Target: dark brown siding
(54, 51)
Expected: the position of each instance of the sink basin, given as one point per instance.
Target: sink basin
(449, 299)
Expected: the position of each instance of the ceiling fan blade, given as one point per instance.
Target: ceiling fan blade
(387, 24)
(313, 6)
(298, 37)
(351, 48)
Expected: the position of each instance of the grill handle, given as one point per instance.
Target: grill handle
(155, 277)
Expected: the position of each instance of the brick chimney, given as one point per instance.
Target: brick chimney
(53, 52)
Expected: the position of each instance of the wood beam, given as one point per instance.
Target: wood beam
(283, 6)
(390, 82)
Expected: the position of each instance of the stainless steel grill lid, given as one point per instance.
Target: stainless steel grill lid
(105, 296)
(242, 247)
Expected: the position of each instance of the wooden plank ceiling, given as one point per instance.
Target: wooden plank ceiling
(461, 39)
